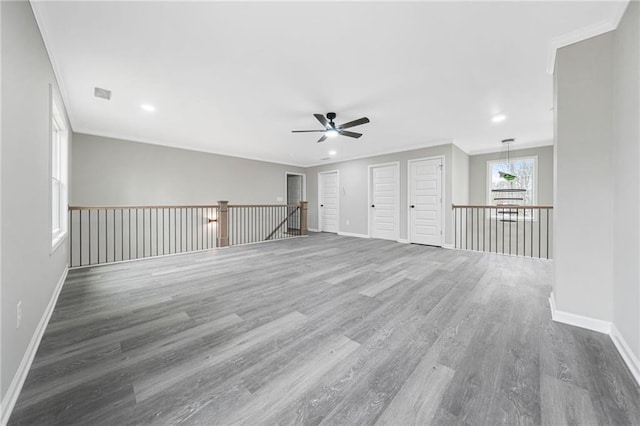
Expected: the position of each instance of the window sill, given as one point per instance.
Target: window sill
(57, 241)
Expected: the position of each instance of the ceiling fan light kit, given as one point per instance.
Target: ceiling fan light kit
(332, 129)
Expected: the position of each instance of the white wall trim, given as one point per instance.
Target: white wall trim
(626, 353)
(396, 150)
(184, 147)
(449, 246)
(521, 147)
(578, 320)
(313, 230)
(584, 33)
(403, 241)
(286, 185)
(602, 327)
(353, 234)
(9, 401)
(39, 15)
(370, 168)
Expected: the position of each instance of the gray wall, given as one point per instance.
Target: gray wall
(478, 173)
(460, 176)
(354, 188)
(30, 271)
(597, 153)
(584, 173)
(118, 172)
(626, 178)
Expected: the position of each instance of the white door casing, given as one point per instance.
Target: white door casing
(328, 201)
(384, 200)
(425, 201)
(304, 184)
(295, 192)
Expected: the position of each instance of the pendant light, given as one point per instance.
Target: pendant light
(504, 175)
(506, 197)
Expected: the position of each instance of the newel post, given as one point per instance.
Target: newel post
(303, 218)
(223, 224)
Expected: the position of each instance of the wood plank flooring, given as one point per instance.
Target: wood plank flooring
(321, 330)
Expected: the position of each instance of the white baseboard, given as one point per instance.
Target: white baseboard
(403, 241)
(448, 246)
(313, 230)
(578, 320)
(11, 397)
(625, 352)
(602, 327)
(353, 234)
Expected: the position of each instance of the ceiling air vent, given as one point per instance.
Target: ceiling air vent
(325, 158)
(99, 92)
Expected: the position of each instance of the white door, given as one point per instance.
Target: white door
(425, 202)
(384, 181)
(328, 201)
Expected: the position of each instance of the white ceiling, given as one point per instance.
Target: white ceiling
(236, 77)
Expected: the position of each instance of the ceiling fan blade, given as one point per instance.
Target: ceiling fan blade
(307, 131)
(322, 120)
(350, 134)
(363, 120)
(322, 139)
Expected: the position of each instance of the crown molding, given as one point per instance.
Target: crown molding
(521, 146)
(595, 29)
(39, 15)
(398, 150)
(185, 147)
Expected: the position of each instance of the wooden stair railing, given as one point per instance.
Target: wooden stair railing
(108, 234)
(248, 223)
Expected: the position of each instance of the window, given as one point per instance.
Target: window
(525, 170)
(59, 149)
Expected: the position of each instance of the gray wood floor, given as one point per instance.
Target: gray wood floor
(321, 330)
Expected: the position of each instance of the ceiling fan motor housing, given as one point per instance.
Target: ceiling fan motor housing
(330, 129)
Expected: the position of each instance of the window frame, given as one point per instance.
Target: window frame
(58, 163)
(534, 189)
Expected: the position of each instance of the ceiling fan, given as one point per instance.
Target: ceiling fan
(332, 129)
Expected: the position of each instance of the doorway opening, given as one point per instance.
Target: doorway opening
(296, 192)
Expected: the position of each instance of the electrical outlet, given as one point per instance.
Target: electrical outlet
(19, 314)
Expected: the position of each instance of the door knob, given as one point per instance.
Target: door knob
(412, 206)
(373, 205)
(321, 205)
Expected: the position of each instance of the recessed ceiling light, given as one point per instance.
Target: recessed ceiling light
(148, 107)
(498, 118)
(331, 133)
(332, 153)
